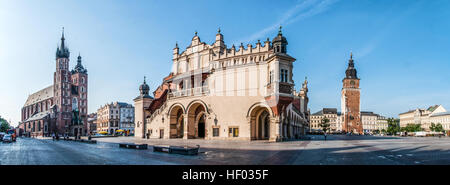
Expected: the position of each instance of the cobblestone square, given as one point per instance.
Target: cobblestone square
(337, 150)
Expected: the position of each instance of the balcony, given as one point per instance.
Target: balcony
(283, 88)
(196, 91)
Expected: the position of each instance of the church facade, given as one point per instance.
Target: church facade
(60, 108)
(217, 92)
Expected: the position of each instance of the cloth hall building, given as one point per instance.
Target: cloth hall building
(217, 92)
(60, 108)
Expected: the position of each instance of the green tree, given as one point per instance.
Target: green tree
(4, 125)
(412, 128)
(432, 127)
(439, 128)
(393, 126)
(325, 124)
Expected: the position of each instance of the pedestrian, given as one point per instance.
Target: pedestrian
(53, 136)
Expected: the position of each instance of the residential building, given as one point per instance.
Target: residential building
(114, 116)
(382, 123)
(433, 114)
(369, 121)
(316, 119)
(92, 123)
(126, 117)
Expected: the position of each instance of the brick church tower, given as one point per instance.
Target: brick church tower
(70, 94)
(350, 100)
(61, 88)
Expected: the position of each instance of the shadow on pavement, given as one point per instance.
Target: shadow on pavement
(351, 155)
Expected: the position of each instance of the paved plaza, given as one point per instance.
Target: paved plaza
(337, 150)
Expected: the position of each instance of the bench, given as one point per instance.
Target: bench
(133, 146)
(88, 141)
(183, 150)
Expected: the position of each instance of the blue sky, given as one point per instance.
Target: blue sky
(401, 48)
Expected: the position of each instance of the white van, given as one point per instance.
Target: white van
(421, 134)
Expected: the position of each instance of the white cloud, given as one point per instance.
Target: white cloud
(303, 9)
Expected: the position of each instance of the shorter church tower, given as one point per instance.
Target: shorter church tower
(350, 100)
(79, 91)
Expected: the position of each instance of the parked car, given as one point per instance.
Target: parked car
(1, 135)
(7, 138)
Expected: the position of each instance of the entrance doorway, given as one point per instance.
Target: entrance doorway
(176, 122)
(161, 133)
(197, 122)
(201, 128)
(260, 124)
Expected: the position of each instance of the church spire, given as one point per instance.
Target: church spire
(62, 51)
(62, 39)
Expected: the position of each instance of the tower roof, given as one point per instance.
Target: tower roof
(79, 67)
(279, 37)
(62, 51)
(351, 71)
(144, 89)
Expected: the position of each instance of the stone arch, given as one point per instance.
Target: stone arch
(176, 121)
(197, 101)
(196, 118)
(258, 105)
(260, 122)
(174, 105)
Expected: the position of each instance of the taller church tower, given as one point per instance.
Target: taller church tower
(61, 88)
(350, 100)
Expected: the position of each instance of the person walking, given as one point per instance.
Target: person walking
(53, 136)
